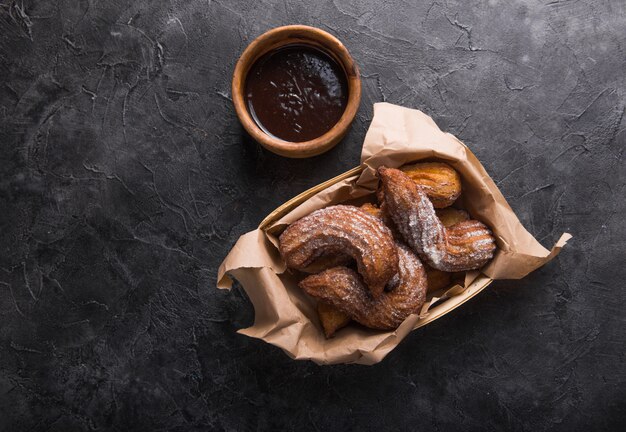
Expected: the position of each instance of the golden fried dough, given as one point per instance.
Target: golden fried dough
(437, 279)
(470, 244)
(440, 181)
(449, 216)
(332, 319)
(466, 245)
(343, 229)
(345, 290)
(325, 262)
(381, 214)
(371, 209)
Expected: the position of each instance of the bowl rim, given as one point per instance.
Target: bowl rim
(289, 35)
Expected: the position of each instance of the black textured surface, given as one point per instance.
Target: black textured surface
(126, 178)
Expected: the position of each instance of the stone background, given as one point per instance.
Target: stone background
(125, 178)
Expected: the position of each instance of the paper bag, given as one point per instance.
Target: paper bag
(286, 317)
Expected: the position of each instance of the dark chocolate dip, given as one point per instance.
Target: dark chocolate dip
(296, 93)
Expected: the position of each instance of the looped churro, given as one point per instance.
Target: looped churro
(344, 289)
(343, 229)
(466, 245)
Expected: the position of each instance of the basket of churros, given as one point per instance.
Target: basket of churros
(344, 271)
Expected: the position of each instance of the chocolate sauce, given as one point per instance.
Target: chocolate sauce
(296, 93)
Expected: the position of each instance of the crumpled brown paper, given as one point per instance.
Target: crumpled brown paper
(286, 317)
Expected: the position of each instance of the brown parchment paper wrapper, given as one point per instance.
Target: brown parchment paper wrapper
(286, 317)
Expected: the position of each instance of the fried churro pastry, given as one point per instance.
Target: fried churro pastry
(437, 279)
(381, 214)
(325, 262)
(371, 209)
(344, 289)
(343, 229)
(332, 319)
(450, 216)
(440, 181)
(466, 245)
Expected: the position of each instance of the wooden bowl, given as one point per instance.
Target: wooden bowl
(304, 35)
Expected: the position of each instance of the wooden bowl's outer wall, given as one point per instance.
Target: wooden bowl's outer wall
(479, 284)
(289, 35)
